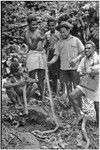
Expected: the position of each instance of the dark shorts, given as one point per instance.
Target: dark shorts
(70, 75)
(40, 73)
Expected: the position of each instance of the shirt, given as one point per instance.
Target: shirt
(89, 82)
(68, 49)
(52, 38)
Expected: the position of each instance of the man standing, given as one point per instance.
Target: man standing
(36, 57)
(51, 37)
(89, 87)
(68, 48)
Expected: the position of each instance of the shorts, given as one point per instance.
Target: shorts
(40, 74)
(70, 75)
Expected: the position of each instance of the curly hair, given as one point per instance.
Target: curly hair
(31, 18)
(90, 42)
(14, 67)
(51, 19)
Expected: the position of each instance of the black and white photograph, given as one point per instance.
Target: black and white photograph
(50, 75)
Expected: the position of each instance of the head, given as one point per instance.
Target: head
(51, 24)
(12, 49)
(64, 29)
(89, 48)
(15, 69)
(32, 22)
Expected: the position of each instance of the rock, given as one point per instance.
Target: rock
(37, 109)
(30, 147)
(30, 138)
(55, 145)
(44, 147)
(61, 143)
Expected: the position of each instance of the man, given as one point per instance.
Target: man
(14, 84)
(68, 48)
(51, 37)
(36, 57)
(89, 87)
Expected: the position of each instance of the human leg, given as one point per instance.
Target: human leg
(96, 106)
(64, 78)
(75, 78)
(12, 95)
(41, 77)
(32, 74)
(54, 84)
(74, 97)
(30, 88)
(53, 78)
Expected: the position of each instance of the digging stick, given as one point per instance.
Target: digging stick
(25, 100)
(50, 96)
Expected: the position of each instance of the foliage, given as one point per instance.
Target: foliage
(82, 14)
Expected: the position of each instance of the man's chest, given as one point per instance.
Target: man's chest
(88, 63)
(13, 79)
(68, 47)
(52, 38)
(33, 36)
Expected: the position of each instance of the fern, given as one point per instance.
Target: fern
(95, 32)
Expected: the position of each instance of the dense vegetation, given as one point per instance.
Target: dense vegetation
(17, 128)
(82, 14)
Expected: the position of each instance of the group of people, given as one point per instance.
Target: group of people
(68, 60)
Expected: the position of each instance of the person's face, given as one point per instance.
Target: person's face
(52, 26)
(65, 32)
(33, 25)
(89, 49)
(18, 71)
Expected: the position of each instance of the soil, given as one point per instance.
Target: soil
(17, 127)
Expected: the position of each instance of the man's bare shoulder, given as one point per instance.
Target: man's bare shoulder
(57, 32)
(38, 31)
(59, 43)
(76, 39)
(47, 33)
(26, 33)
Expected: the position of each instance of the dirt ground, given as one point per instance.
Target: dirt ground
(17, 128)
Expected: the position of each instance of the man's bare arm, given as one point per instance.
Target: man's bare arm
(53, 60)
(10, 85)
(77, 59)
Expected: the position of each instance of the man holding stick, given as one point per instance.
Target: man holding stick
(52, 37)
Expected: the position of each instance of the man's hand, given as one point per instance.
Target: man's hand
(53, 60)
(40, 46)
(72, 64)
(23, 83)
(94, 71)
(30, 80)
(83, 73)
(48, 63)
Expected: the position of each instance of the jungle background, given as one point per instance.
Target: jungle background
(84, 15)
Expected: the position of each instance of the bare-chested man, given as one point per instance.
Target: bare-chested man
(36, 57)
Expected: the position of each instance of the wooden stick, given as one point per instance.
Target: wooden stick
(52, 108)
(25, 100)
(50, 95)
